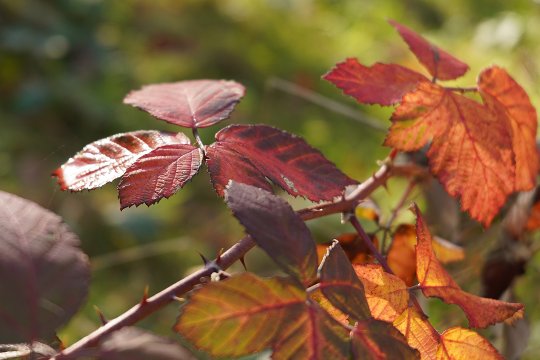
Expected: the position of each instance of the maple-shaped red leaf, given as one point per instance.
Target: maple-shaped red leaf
(377, 340)
(340, 285)
(470, 152)
(386, 294)
(436, 282)
(246, 314)
(159, 174)
(439, 63)
(285, 159)
(276, 228)
(419, 333)
(383, 84)
(107, 159)
(192, 104)
(511, 103)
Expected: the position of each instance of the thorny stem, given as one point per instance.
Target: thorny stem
(394, 213)
(234, 253)
(360, 230)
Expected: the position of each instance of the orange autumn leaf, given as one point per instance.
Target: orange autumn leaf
(368, 209)
(386, 294)
(439, 63)
(533, 222)
(419, 333)
(324, 303)
(402, 254)
(436, 282)
(462, 344)
(471, 149)
(355, 248)
(512, 104)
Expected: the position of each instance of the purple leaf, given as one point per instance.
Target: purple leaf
(192, 104)
(276, 228)
(159, 174)
(43, 274)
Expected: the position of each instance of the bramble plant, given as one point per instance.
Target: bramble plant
(354, 297)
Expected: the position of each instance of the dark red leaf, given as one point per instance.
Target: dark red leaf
(226, 164)
(193, 104)
(159, 174)
(439, 63)
(383, 84)
(44, 275)
(340, 284)
(107, 159)
(285, 159)
(276, 228)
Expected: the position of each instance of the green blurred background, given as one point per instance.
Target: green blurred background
(65, 67)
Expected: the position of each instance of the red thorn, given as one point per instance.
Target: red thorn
(102, 317)
(218, 258)
(144, 299)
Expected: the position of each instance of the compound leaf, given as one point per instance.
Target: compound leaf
(470, 152)
(436, 282)
(511, 103)
(276, 228)
(340, 285)
(439, 63)
(192, 104)
(159, 174)
(107, 159)
(44, 275)
(383, 84)
(386, 294)
(285, 159)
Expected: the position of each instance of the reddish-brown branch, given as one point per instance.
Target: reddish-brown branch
(234, 253)
(360, 230)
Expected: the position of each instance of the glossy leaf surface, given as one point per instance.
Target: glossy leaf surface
(471, 149)
(383, 84)
(439, 63)
(285, 159)
(386, 294)
(435, 281)
(192, 104)
(107, 159)
(159, 174)
(340, 285)
(44, 275)
(276, 228)
(512, 105)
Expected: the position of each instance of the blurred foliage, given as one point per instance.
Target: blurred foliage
(65, 66)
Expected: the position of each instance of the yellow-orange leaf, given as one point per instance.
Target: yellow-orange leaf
(419, 333)
(463, 344)
(471, 149)
(355, 248)
(333, 311)
(436, 282)
(511, 103)
(402, 253)
(386, 294)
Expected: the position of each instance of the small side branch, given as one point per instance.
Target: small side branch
(360, 230)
